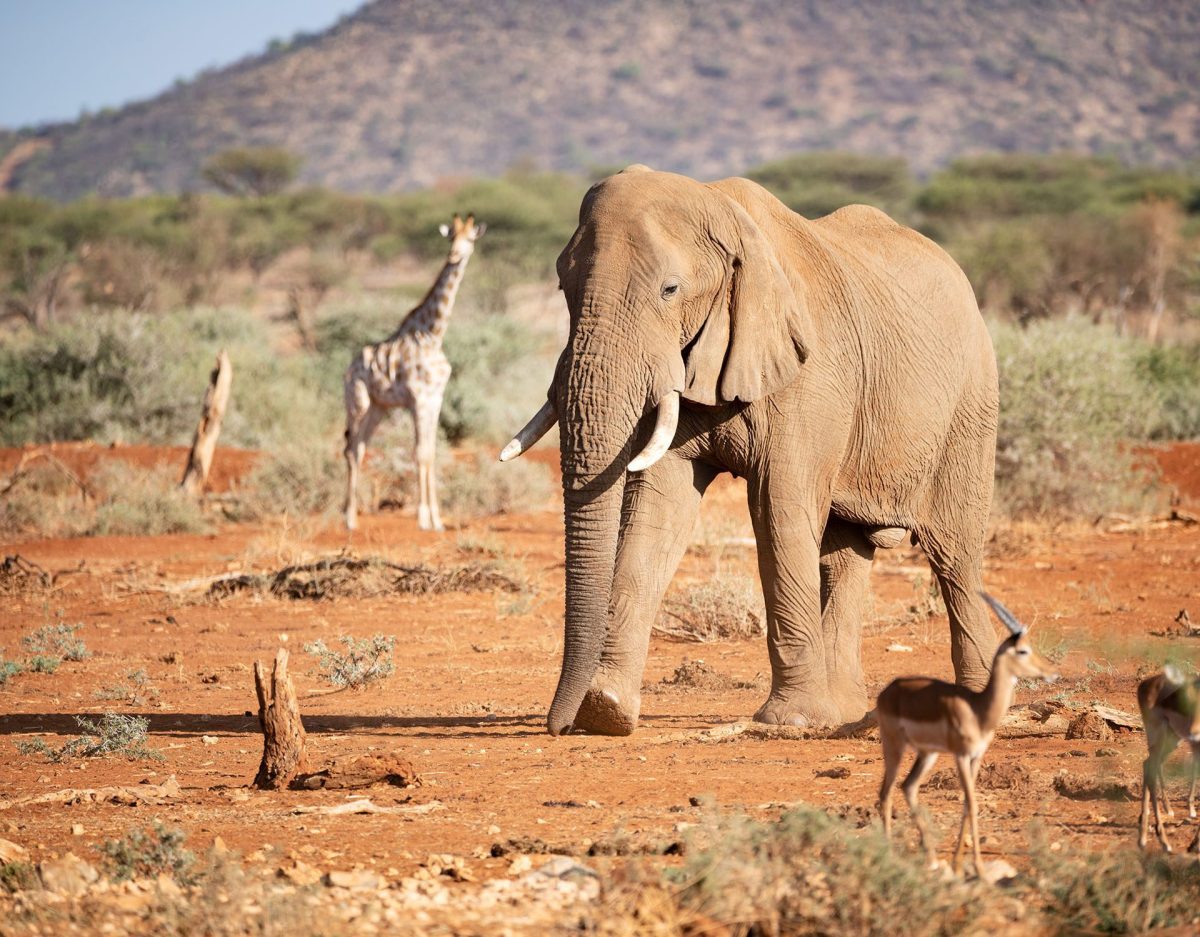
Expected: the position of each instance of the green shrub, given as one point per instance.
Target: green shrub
(299, 478)
(58, 641)
(815, 184)
(481, 486)
(1119, 891)
(143, 502)
(365, 660)
(113, 734)
(794, 876)
(148, 854)
(1070, 395)
(1173, 371)
(8, 670)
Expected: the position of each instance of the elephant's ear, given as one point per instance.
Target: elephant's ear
(756, 334)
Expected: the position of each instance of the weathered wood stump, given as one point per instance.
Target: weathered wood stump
(283, 732)
(204, 443)
(358, 771)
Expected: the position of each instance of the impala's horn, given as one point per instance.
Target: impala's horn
(1007, 618)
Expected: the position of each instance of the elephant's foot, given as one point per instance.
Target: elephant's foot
(806, 710)
(608, 710)
(852, 704)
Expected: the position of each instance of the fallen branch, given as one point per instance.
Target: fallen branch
(23, 471)
(133, 796)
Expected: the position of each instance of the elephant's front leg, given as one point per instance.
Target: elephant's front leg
(789, 534)
(659, 515)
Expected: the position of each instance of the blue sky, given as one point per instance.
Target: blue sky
(58, 57)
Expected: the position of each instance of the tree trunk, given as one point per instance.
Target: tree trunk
(283, 732)
(195, 475)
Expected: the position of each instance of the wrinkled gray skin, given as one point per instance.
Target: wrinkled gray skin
(840, 365)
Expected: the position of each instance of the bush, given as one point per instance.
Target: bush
(1119, 891)
(143, 502)
(148, 854)
(112, 735)
(58, 641)
(481, 486)
(366, 660)
(252, 170)
(794, 876)
(297, 479)
(815, 184)
(726, 607)
(1173, 371)
(1070, 395)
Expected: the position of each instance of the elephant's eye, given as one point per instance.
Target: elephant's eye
(669, 290)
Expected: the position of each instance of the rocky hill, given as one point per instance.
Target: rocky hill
(407, 92)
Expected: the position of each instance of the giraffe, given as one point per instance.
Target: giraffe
(408, 369)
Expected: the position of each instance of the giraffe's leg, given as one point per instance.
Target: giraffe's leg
(362, 417)
(431, 486)
(425, 419)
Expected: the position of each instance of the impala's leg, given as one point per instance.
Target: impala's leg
(912, 785)
(1147, 794)
(894, 747)
(1152, 775)
(968, 770)
(1192, 789)
(362, 418)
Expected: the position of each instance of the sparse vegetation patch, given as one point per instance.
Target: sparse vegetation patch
(349, 577)
(113, 734)
(724, 608)
(364, 661)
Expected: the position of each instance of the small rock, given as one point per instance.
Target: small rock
(357, 879)
(219, 846)
(997, 872)
(1106, 753)
(12, 852)
(520, 865)
(1089, 725)
(209, 739)
(69, 875)
(76, 829)
(834, 773)
(299, 872)
(899, 648)
(564, 867)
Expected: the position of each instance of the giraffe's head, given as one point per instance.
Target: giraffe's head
(463, 233)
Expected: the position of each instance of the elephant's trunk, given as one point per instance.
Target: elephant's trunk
(599, 419)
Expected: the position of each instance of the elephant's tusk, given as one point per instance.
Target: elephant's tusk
(663, 435)
(531, 432)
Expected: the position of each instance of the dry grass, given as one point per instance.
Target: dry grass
(727, 607)
(352, 577)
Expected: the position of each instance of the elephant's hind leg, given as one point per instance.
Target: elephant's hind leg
(951, 530)
(846, 556)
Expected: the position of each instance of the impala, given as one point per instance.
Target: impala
(933, 716)
(1170, 714)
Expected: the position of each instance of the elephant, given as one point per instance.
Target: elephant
(840, 365)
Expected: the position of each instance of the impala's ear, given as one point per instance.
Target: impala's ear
(755, 336)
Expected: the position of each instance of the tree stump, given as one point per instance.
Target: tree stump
(195, 475)
(283, 732)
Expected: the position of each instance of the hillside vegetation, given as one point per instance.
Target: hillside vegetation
(407, 92)
(1089, 270)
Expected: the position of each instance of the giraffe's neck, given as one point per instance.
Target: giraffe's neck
(433, 313)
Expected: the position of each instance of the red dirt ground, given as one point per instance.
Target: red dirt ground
(475, 672)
